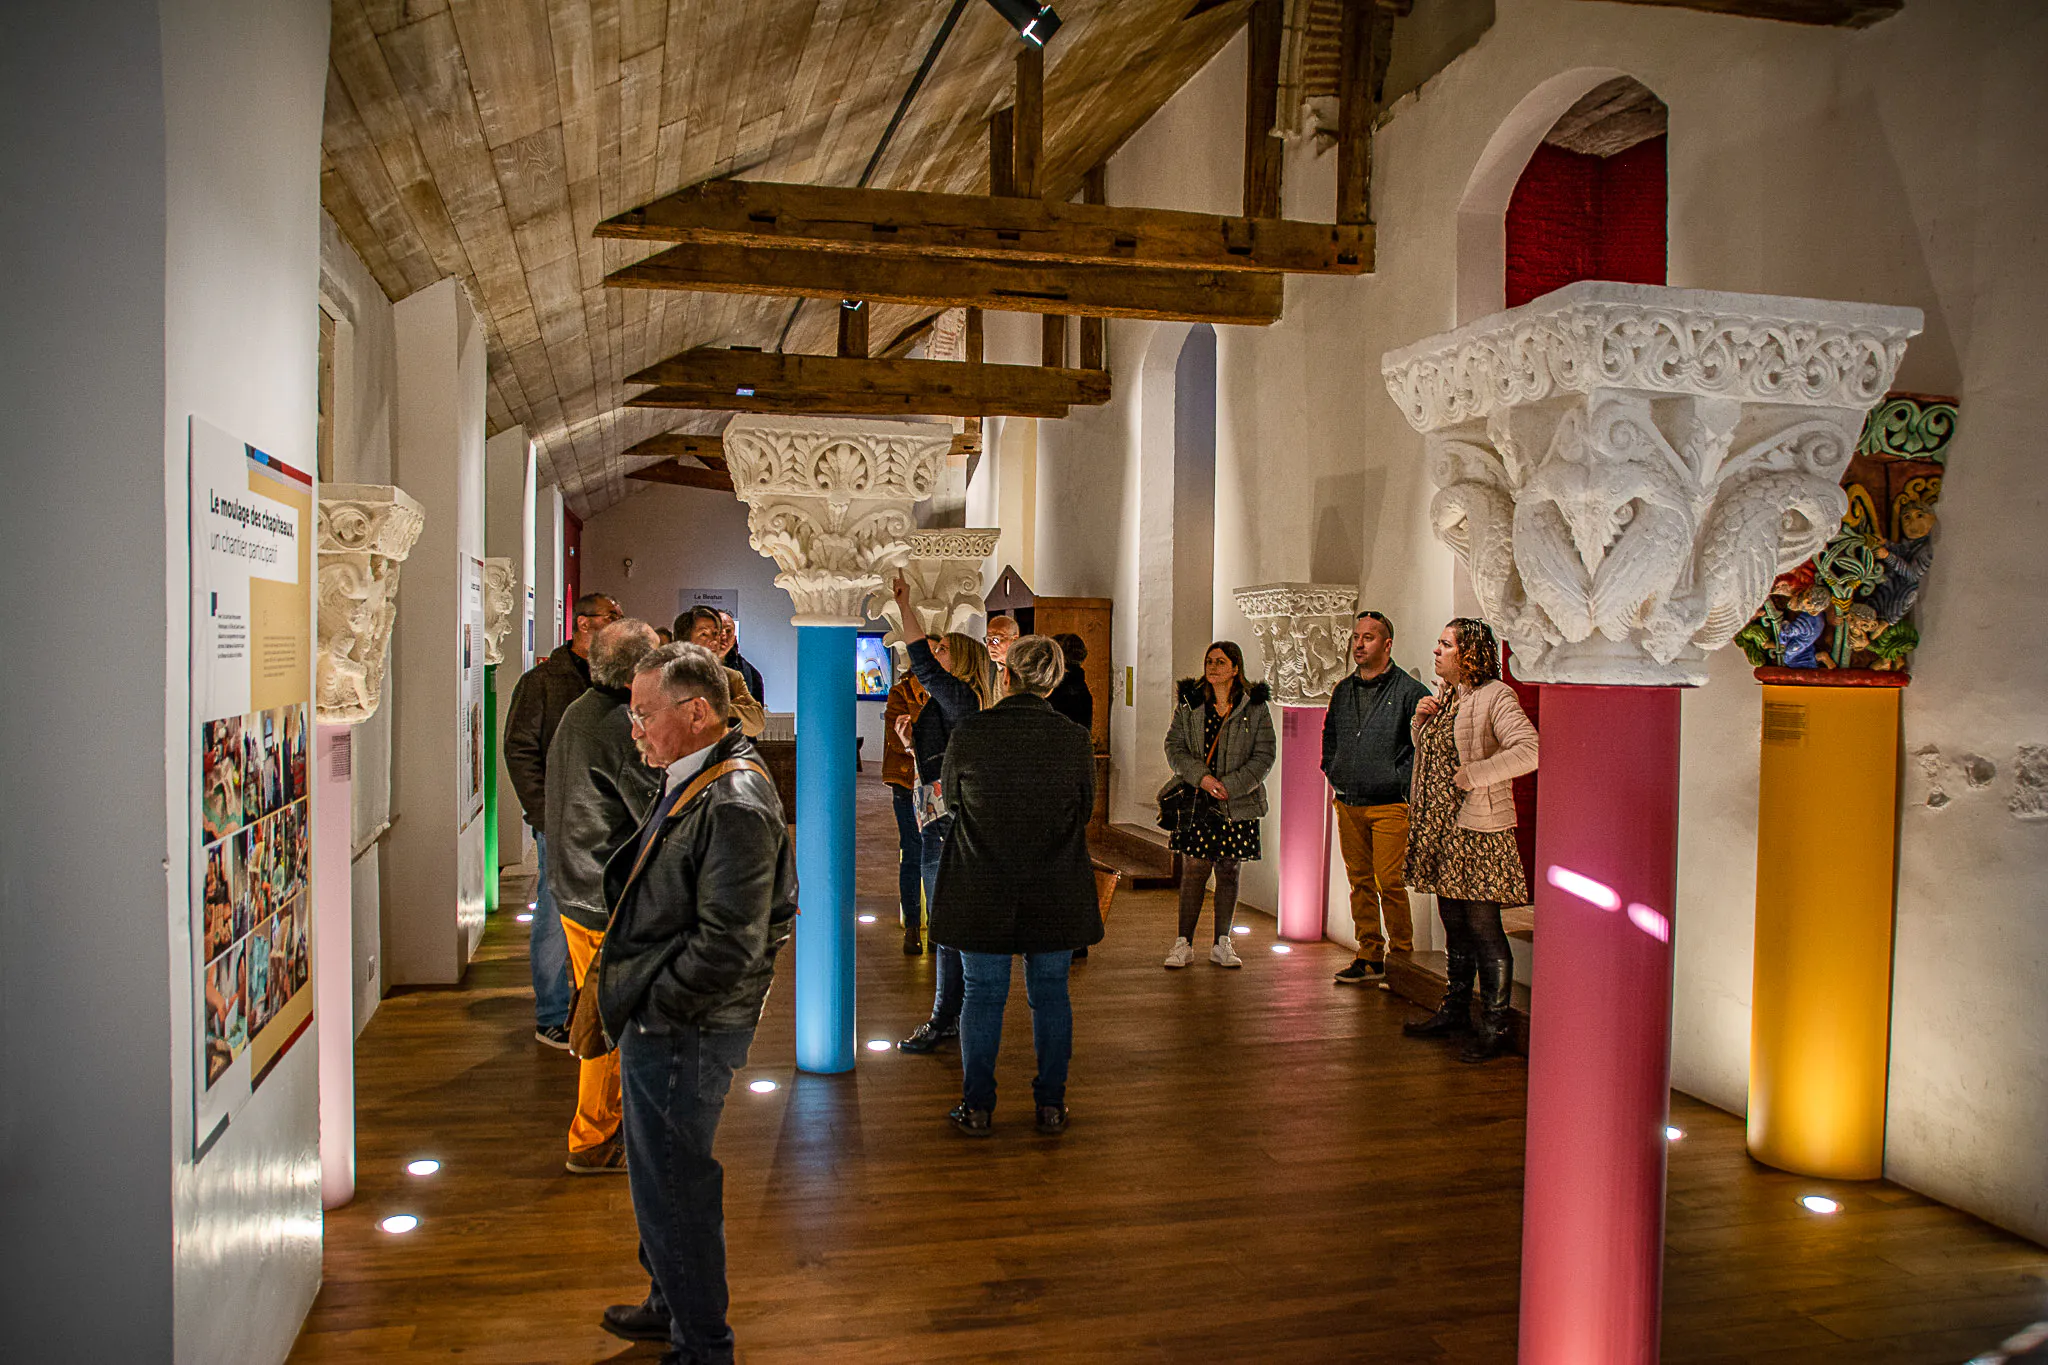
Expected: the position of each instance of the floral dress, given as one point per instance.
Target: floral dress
(1443, 857)
(1213, 839)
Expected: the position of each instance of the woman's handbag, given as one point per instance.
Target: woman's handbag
(1184, 807)
(587, 1039)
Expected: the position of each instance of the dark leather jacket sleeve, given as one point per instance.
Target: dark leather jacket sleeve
(735, 900)
(525, 747)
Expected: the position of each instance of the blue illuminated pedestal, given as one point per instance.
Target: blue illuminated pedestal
(824, 847)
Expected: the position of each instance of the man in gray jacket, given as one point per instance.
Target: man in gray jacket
(598, 793)
(1368, 753)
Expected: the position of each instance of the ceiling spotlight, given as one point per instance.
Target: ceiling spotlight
(865, 919)
(399, 1222)
(1819, 1203)
(743, 393)
(424, 1166)
(878, 1045)
(1673, 1134)
(1035, 23)
(761, 1087)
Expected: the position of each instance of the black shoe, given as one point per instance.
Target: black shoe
(1453, 1016)
(913, 945)
(636, 1322)
(1489, 1040)
(554, 1035)
(1052, 1119)
(1493, 1034)
(973, 1122)
(928, 1037)
(1361, 973)
(1080, 954)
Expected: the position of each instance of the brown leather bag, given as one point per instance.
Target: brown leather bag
(587, 1038)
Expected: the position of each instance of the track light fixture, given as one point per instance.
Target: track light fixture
(1035, 23)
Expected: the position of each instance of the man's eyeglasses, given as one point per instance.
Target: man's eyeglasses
(640, 721)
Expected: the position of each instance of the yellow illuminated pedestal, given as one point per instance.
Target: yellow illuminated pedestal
(1820, 1023)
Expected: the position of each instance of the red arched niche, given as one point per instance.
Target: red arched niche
(1590, 206)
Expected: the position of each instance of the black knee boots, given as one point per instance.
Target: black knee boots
(1495, 1031)
(1454, 1015)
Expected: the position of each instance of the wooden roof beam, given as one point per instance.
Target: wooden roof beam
(772, 373)
(915, 223)
(800, 403)
(673, 445)
(686, 476)
(1118, 291)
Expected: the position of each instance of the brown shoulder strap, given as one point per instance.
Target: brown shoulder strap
(689, 793)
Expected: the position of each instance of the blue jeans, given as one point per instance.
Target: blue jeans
(981, 1025)
(948, 993)
(548, 951)
(910, 870)
(674, 1084)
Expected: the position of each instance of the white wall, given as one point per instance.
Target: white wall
(509, 533)
(1898, 164)
(161, 223)
(434, 883)
(694, 538)
(365, 387)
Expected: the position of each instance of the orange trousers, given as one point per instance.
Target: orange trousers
(597, 1083)
(1374, 842)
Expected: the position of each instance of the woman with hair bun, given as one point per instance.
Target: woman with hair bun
(1472, 739)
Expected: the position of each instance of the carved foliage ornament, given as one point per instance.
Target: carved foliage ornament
(944, 573)
(1626, 469)
(501, 593)
(830, 502)
(365, 532)
(1304, 632)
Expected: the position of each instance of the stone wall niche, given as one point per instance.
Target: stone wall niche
(365, 533)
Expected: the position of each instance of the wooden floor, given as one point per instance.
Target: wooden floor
(1260, 1169)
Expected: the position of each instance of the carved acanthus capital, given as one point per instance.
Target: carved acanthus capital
(1304, 632)
(1624, 469)
(944, 574)
(829, 500)
(501, 596)
(365, 532)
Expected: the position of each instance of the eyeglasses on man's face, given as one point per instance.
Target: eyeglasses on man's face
(640, 721)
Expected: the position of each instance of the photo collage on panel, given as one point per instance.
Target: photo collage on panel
(258, 860)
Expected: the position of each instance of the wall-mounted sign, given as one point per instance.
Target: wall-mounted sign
(251, 650)
(726, 600)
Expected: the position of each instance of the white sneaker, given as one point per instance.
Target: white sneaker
(1183, 953)
(1223, 955)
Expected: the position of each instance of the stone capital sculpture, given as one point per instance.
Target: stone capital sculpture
(1304, 632)
(501, 595)
(944, 573)
(1625, 469)
(829, 500)
(365, 532)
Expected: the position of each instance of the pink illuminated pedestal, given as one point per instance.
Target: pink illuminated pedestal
(1304, 824)
(333, 957)
(1600, 1026)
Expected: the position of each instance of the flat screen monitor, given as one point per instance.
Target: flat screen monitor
(871, 666)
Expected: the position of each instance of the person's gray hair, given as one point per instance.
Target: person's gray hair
(688, 671)
(618, 649)
(1036, 664)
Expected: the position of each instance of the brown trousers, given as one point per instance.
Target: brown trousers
(1374, 842)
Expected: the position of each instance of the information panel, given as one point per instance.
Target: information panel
(251, 518)
(470, 723)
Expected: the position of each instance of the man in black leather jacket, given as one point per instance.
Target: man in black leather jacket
(704, 896)
(599, 791)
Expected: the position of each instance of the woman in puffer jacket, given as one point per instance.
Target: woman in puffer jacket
(1221, 741)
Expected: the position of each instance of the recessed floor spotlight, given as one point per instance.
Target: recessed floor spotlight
(424, 1166)
(865, 919)
(523, 917)
(399, 1222)
(1240, 928)
(761, 1087)
(1283, 948)
(1818, 1203)
(1673, 1134)
(877, 1045)
(1035, 23)
(533, 905)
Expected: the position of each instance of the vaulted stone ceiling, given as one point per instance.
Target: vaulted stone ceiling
(486, 138)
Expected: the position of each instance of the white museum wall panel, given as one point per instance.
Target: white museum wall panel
(1803, 161)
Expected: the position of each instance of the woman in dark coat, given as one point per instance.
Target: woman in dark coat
(1072, 698)
(1016, 878)
(954, 671)
(1221, 741)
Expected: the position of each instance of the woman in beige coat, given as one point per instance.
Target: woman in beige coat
(1471, 741)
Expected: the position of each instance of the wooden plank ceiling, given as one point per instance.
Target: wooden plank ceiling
(486, 139)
